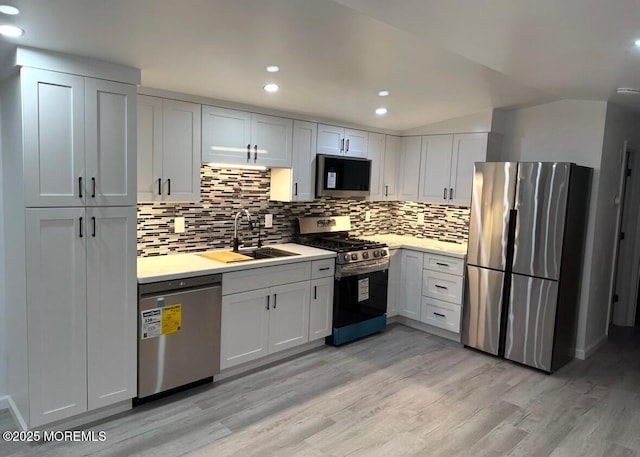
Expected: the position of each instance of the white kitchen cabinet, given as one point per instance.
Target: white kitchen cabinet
(289, 316)
(384, 152)
(56, 316)
(169, 150)
(410, 284)
(395, 275)
(79, 136)
(241, 138)
(335, 140)
(409, 168)
(321, 306)
(296, 184)
(245, 327)
(442, 289)
(446, 172)
(111, 305)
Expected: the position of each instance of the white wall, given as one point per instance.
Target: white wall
(3, 333)
(621, 124)
(568, 131)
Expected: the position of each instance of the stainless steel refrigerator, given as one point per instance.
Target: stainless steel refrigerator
(526, 242)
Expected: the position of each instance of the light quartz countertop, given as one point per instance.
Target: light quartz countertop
(177, 266)
(421, 244)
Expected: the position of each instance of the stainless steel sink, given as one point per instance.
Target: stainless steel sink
(268, 253)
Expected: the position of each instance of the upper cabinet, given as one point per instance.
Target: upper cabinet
(334, 140)
(242, 138)
(296, 184)
(168, 150)
(446, 173)
(79, 140)
(409, 168)
(384, 152)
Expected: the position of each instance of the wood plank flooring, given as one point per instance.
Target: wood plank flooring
(400, 393)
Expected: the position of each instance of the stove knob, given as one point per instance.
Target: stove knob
(365, 255)
(354, 256)
(346, 257)
(376, 253)
(383, 253)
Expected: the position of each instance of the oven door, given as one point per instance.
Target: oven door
(359, 297)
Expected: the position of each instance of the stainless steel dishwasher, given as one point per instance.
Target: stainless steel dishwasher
(178, 333)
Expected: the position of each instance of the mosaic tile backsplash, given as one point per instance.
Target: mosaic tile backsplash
(209, 223)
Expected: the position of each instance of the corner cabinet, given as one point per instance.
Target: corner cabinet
(335, 140)
(296, 184)
(79, 140)
(240, 138)
(169, 149)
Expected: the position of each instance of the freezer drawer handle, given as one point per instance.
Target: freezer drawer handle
(439, 314)
(441, 287)
(440, 264)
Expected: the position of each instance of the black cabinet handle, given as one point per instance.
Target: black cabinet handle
(169, 186)
(386, 191)
(450, 193)
(275, 300)
(80, 226)
(315, 292)
(159, 186)
(440, 287)
(439, 314)
(323, 269)
(445, 193)
(80, 187)
(248, 152)
(440, 264)
(342, 145)
(255, 153)
(295, 186)
(268, 296)
(347, 146)
(93, 187)
(93, 221)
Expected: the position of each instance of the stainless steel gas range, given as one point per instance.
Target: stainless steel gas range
(361, 277)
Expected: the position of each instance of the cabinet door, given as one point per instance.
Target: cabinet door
(409, 171)
(393, 291)
(56, 313)
(304, 156)
(54, 147)
(468, 148)
(390, 169)
(321, 308)
(411, 284)
(289, 316)
(435, 168)
(355, 143)
(226, 134)
(245, 327)
(111, 305)
(181, 148)
(376, 151)
(330, 140)
(271, 141)
(110, 123)
(149, 149)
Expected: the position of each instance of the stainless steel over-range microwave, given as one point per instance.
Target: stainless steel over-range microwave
(339, 176)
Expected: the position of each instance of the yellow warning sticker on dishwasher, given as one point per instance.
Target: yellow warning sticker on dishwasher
(171, 319)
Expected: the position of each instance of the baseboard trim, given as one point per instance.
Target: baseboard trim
(427, 328)
(15, 413)
(584, 354)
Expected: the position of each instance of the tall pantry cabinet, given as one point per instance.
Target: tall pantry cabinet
(69, 163)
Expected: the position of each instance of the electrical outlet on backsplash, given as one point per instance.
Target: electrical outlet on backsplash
(225, 191)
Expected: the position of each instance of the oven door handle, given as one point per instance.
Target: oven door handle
(361, 268)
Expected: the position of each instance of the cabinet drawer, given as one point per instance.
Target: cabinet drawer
(444, 264)
(322, 268)
(258, 278)
(442, 286)
(440, 314)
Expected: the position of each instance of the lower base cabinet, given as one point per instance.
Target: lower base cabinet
(410, 284)
(321, 308)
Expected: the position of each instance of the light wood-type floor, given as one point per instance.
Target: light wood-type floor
(400, 393)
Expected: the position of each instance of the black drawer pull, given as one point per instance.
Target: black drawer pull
(323, 268)
(441, 287)
(439, 314)
(440, 264)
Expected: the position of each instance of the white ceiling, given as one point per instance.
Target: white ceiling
(439, 58)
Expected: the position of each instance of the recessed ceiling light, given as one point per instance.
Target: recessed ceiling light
(273, 68)
(383, 93)
(381, 111)
(271, 87)
(10, 10)
(637, 42)
(11, 30)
